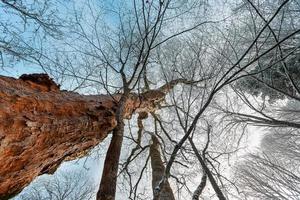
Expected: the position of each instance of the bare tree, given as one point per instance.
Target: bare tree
(183, 77)
(25, 26)
(273, 172)
(68, 185)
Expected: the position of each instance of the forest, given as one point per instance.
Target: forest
(150, 99)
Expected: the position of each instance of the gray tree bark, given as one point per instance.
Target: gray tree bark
(158, 170)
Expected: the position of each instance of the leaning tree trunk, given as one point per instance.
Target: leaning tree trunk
(108, 184)
(200, 188)
(158, 170)
(107, 188)
(207, 171)
(41, 126)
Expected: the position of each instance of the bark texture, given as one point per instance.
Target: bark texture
(41, 126)
(158, 170)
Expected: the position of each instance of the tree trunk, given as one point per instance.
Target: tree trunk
(41, 126)
(158, 170)
(108, 184)
(200, 187)
(107, 188)
(207, 171)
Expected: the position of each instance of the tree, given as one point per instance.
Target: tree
(158, 169)
(68, 185)
(280, 80)
(86, 126)
(180, 76)
(273, 172)
(25, 26)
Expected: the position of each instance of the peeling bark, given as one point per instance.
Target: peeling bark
(158, 170)
(41, 126)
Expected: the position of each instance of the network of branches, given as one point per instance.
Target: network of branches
(226, 75)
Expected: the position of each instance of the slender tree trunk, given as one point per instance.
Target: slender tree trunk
(200, 187)
(211, 178)
(41, 126)
(108, 184)
(158, 170)
(107, 188)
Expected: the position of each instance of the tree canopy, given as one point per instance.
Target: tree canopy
(198, 99)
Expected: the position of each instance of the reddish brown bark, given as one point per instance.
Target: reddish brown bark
(41, 126)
